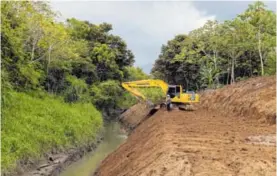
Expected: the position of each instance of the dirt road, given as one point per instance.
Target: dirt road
(199, 143)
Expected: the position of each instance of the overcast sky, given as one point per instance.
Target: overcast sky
(146, 25)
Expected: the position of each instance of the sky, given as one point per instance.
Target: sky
(146, 25)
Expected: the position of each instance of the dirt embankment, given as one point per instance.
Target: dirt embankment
(135, 115)
(226, 135)
(253, 99)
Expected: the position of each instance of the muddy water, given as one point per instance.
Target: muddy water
(113, 137)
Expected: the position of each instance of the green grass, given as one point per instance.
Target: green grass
(35, 125)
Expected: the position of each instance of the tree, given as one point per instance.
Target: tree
(233, 44)
(221, 53)
(166, 63)
(108, 53)
(263, 31)
(135, 73)
(14, 26)
(105, 94)
(208, 42)
(40, 53)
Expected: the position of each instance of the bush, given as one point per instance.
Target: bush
(33, 126)
(135, 73)
(126, 100)
(105, 94)
(77, 90)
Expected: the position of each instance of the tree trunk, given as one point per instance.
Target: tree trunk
(215, 67)
(33, 48)
(228, 74)
(233, 63)
(33, 51)
(48, 63)
(260, 52)
(186, 88)
(49, 59)
(233, 71)
(251, 66)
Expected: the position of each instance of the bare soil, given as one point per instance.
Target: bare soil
(254, 99)
(232, 132)
(135, 115)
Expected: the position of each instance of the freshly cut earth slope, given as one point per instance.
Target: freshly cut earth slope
(135, 115)
(253, 99)
(228, 134)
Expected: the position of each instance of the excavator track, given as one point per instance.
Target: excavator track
(183, 107)
(187, 107)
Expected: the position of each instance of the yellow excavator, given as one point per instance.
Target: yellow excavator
(179, 97)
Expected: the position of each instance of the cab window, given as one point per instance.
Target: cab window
(171, 92)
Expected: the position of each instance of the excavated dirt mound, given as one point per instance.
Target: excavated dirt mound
(203, 142)
(253, 98)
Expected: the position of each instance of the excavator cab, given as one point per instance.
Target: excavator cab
(174, 91)
(180, 95)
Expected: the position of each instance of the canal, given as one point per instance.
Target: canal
(113, 137)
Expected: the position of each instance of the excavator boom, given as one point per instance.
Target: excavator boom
(131, 86)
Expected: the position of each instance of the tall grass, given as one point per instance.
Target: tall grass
(32, 126)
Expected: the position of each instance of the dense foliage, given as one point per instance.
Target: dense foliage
(71, 59)
(221, 53)
(53, 75)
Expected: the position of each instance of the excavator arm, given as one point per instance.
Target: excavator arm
(131, 86)
(183, 100)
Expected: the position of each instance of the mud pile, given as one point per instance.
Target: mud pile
(202, 142)
(253, 99)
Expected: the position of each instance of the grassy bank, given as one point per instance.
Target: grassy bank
(34, 125)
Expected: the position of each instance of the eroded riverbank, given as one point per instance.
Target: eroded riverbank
(83, 160)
